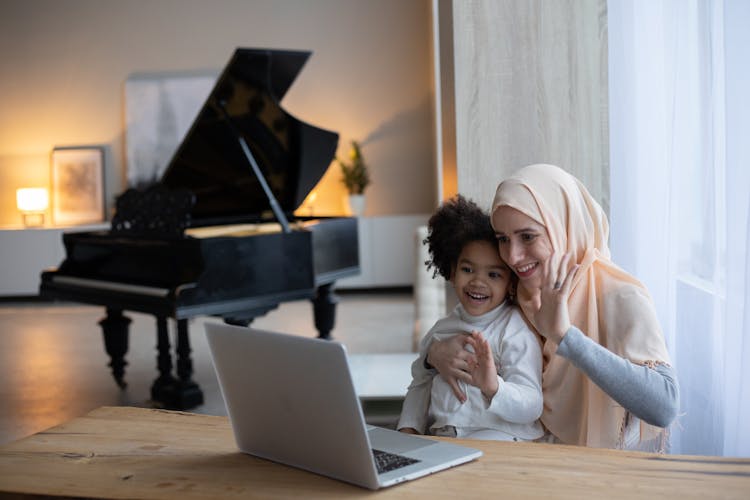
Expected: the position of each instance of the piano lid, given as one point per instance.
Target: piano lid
(292, 155)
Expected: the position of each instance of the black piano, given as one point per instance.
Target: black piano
(216, 234)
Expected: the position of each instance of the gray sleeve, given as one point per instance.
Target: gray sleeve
(650, 394)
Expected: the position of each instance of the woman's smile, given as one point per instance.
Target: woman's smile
(526, 270)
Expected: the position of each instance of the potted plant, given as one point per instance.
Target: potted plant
(355, 177)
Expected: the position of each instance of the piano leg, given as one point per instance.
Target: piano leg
(163, 386)
(166, 391)
(190, 395)
(115, 330)
(324, 310)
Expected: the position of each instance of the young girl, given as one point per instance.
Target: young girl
(503, 400)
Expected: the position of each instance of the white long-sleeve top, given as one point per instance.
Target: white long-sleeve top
(517, 405)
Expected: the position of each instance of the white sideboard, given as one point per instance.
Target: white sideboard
(387, 251)
(25, 253)
(386, 254)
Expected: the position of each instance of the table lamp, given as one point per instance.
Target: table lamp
(32, 203)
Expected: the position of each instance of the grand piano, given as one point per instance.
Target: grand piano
(216, 234)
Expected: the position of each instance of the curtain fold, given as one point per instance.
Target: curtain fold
(680, 185)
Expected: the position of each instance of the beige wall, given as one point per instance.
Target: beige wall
(531, 87)
(63, 64)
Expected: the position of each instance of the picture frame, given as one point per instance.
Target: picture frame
(77, 179)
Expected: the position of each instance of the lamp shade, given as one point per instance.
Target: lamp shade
(32, 199)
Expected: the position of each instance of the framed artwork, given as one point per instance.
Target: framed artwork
(77, 185)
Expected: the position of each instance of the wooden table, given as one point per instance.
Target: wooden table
(145, 453)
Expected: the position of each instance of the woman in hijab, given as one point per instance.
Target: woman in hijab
(606, 379)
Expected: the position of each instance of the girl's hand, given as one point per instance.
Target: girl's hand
(408, 430)
(452, 361)
(484, 371)
(552, 320)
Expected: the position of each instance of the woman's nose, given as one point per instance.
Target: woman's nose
(513, 253)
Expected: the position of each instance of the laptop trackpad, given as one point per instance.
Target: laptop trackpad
(394, 441)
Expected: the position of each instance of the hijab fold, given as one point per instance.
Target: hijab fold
(606, 303)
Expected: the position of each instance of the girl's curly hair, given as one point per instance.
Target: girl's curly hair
(455, 223)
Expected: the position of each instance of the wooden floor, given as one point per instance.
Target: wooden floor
(53, 366)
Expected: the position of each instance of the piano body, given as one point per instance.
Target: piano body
(216, 235)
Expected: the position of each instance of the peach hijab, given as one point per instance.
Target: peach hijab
(607, 304)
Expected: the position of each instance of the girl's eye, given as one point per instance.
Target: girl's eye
(527, 237)
(495, 275)
(501, 238)
(465, 269)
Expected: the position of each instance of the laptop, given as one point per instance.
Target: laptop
(291, 399)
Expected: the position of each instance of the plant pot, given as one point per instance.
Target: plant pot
(357, 204)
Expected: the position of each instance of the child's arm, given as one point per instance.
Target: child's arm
(415, 408)
(416, 404)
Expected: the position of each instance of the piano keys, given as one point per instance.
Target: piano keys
(217, 235)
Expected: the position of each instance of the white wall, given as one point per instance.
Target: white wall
(63, 65)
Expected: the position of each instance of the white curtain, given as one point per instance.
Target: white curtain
(679, 81)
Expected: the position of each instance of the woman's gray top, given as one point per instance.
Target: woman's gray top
(651, 394)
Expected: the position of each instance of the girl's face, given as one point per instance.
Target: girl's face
(524, 245)
(480, 278)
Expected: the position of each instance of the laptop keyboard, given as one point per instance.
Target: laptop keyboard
(385, 461)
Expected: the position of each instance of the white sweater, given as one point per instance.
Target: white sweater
(517, 405)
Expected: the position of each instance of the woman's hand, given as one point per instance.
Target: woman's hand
(552, 320)
(484, 371)
(452, 362)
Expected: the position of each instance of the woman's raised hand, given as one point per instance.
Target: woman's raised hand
(552, 320)
(453, 362)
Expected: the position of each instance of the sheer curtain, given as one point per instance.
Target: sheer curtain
(679, 80)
